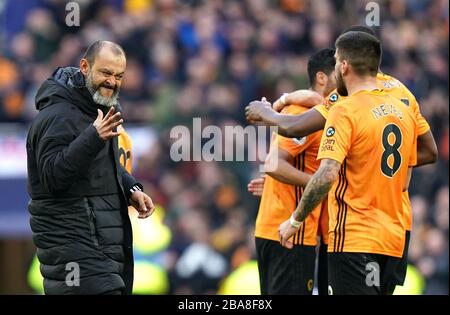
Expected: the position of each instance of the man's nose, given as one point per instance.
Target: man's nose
(111, 81)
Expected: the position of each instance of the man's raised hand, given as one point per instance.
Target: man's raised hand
(107, 126)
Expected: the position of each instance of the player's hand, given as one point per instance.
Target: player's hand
(285, 232)
(278, 105)
(305, 98)
(107, 126)
(255, 110)
(256, 186)
(142, 203)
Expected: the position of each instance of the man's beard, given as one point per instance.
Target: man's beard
(98, 98)
(340, 84)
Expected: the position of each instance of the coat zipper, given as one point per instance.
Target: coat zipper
(92, 219)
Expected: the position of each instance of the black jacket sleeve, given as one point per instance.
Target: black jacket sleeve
(129, 182)
(62, 157)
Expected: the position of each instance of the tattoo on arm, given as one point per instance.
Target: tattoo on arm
(317, 188)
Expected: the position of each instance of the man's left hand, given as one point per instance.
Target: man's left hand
(285, 232)
(142, 203)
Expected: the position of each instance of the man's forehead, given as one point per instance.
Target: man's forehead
(107, 58)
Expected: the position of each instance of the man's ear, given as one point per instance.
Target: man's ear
(344, 67)
(321, 78)
(84, 66)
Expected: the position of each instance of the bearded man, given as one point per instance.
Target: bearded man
(79, 191)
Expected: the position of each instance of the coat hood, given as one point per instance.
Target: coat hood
(67, 85)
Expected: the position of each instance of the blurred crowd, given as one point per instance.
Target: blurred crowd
(208, 59)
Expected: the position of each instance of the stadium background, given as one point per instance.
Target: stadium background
(208, 59)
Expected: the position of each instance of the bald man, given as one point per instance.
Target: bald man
(79, 190)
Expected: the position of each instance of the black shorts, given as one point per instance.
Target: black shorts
(285, 271)
(400, 272)
(361, 273)
(322, 270)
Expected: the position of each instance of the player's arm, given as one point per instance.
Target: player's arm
(288, 125)
(426, 146)
(408, 179)
(306, 98)
(316, 190)
(427, 152)
(279, 166)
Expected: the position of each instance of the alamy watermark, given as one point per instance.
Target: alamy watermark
(73, 15)
(373, 277)
(373, 15)
(73, 275)
(226, 143)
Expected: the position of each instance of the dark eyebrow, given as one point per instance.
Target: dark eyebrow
(109, 71)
